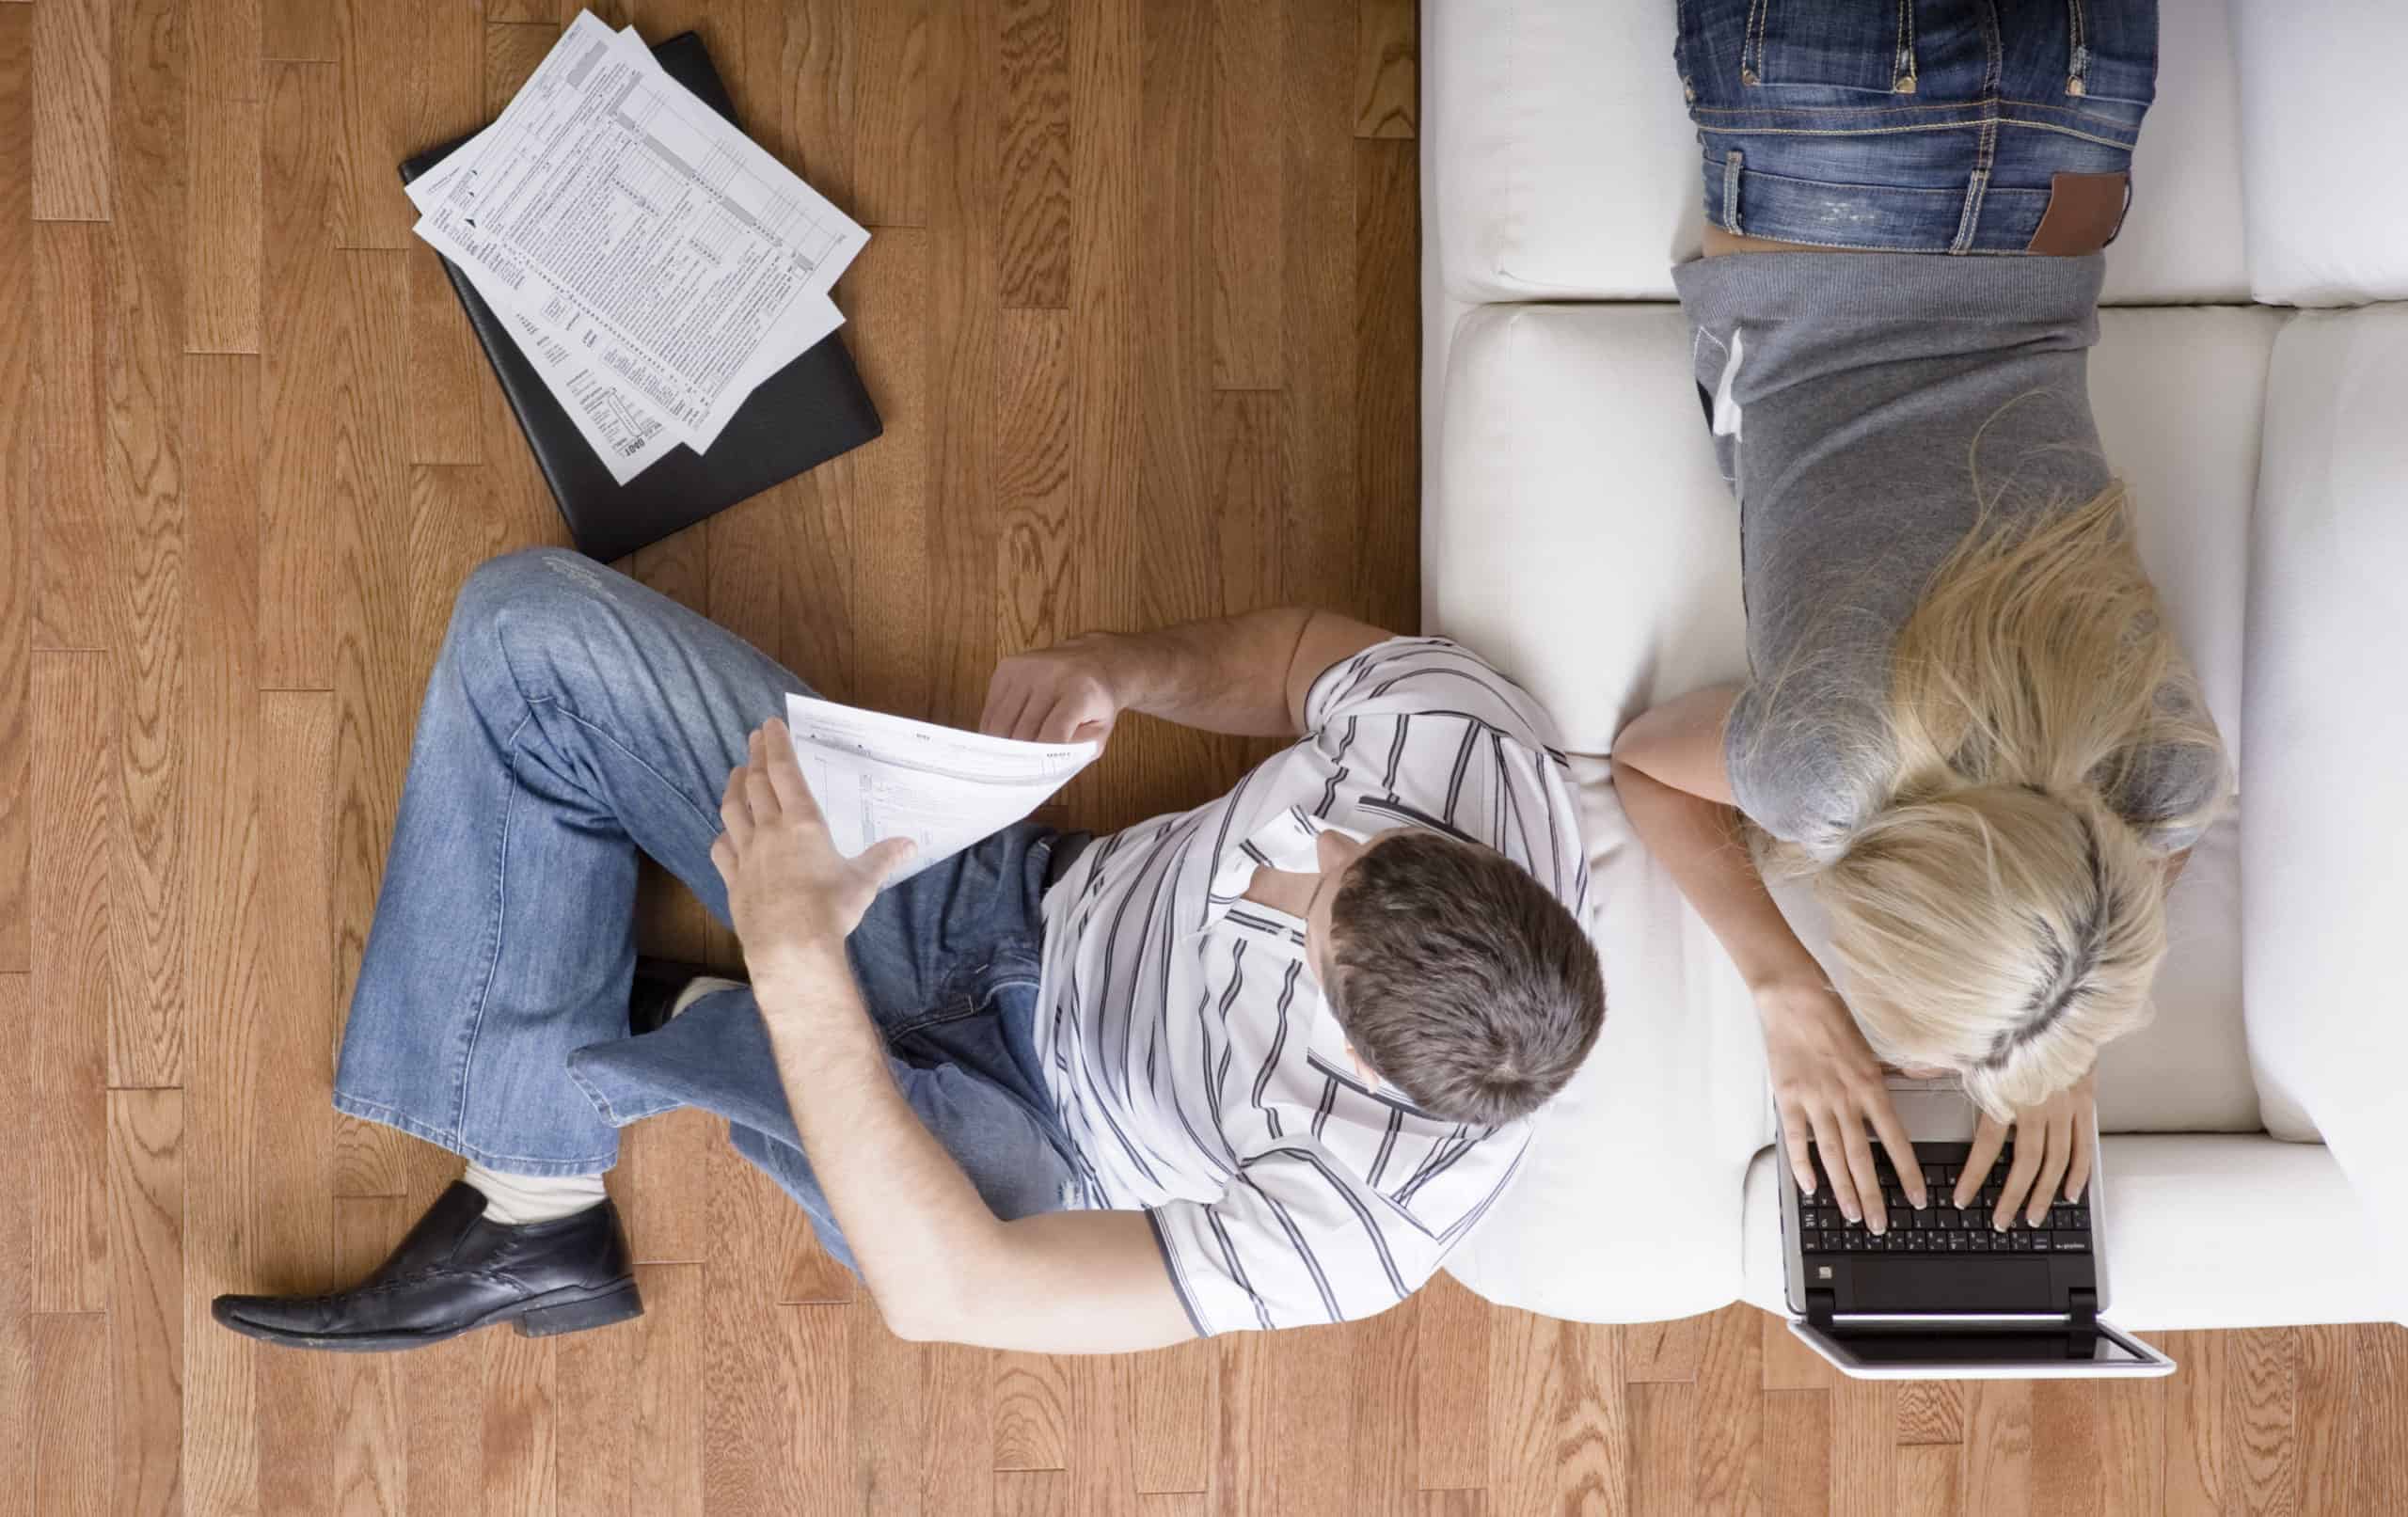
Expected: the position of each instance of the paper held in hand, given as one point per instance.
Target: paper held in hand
(654, 263)
(876, 776)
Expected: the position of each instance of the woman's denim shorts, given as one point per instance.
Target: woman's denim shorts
(1921, 126)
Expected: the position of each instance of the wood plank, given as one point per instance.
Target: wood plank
(1663, 1448)
(1931, 1411)
(1789, 1364)
(75, 157)
(1249, 239)
(1451, 1504)
(632, 1408)
(447, 101)
(1730, 1412)
(889, 285)
(1559, 1417)
(1387, 391)
(297, 1422)
(20, 347)
(2195, 1423)
(375, 43)
(1664, 1352)
(443, 1452)
(75, 806)
(891, 131)
(741, 549)
(1241, 1470)
(1388, 84)
(1102, 1471)
(222, 256)
(2259, 1410)
(301, 31)
(2099, 1447)
(1033, 240)
(1451, 1391)
(776, 1379)
(292, 1202)
(955, 1474)
(2321, 1418)
(300, 369)
(1863, 1418)
(891, 1433)
(1032, 1411)
(146, 1298)
(376, 697)
(20, 1395)
(1033, 1494)
(511, 54)
(521, 1426)
(74, 1429)
(145, 368)
(1926, 1480)
(226, 42)
(221, 400)
(796, 86)
(78, 601)
(1318, 306)
(1997, 1450)
(1304, 1428)
(1384, 1352)
(1036, 560)
(2379, 1419)
(370, 1409)
(1798, 1453)
(661, 1159)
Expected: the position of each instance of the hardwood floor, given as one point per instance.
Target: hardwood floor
(1141, 315)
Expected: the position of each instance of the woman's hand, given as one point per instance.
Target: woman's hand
(788, 890)
(1062, 694)
(1828, 1087)
(2052, 1145)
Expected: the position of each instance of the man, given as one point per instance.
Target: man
(1255, 1065)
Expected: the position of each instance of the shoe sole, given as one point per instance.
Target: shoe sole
(575, 1309)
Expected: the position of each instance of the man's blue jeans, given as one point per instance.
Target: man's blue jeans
(574, 718)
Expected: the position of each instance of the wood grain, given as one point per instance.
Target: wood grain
(447, 101)
(1033, 238)
(19, 349)
(1730, 1418)
(1388, 422)
(1387, 85)
(75, 157)
(2194, 1422)
(1997, 1450)
(74, 1428)
(18, 1388)
(890, 127)
(1664, 1454)
(1798, 1454)
(1451, 1387)
(1931, 1411)
(370, 1446)
(223, 252)
(301, 286)
(293, 1161)
(1664, 1352)
(75, 806)
(378, 57)
(1032, 1411)
(146, 1298)
(303, 31)
(1249, 244)
(77, 599)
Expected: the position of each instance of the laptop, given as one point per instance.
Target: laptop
(1943, 1296)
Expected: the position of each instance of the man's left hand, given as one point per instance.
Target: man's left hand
(789, 891)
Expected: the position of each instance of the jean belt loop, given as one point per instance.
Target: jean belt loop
(1731, 165)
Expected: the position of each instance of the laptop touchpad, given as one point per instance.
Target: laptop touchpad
(1959, 1285)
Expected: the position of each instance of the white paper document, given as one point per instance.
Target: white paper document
(877, 777)
(654, 263)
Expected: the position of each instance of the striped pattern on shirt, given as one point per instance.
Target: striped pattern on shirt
(1186, 1042)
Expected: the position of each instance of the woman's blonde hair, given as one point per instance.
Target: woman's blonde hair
(1996, 915)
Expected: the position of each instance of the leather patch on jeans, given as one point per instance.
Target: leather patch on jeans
(2084, 210)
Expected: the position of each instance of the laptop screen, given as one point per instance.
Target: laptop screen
(2037, 1343)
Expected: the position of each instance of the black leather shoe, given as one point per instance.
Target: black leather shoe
(658, 983)
(456, 1272)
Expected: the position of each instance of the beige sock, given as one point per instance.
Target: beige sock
(515, 1200)
(701, 985)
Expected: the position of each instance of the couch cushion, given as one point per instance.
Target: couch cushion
(2308, 1257)
(2327, 728)
(1566, 167)
(2323, 116)
(1576, 530)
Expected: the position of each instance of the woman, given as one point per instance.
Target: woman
(1968, 725)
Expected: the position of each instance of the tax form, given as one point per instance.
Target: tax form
(654, 263)
(876, 776)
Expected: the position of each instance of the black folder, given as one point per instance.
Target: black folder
(799, 417)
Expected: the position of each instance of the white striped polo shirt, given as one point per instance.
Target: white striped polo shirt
(1194, 1063)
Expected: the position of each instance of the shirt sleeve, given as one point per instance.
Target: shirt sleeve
(1297, 1240)
(1427, 676)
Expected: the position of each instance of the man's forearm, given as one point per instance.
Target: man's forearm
(1225, 674)
(912, 1218)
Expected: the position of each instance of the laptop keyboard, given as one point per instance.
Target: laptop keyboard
(1939, 1228)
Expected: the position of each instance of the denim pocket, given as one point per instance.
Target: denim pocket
(2113, 50)
(1863, 46)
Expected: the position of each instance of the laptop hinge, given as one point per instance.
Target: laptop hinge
(1820, 1308)
(2083, 1315)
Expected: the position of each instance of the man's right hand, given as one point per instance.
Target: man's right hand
(1827, 1087)
(1062, 694)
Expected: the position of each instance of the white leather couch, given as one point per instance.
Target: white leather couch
(1575, 528)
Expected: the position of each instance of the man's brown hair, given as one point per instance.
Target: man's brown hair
(1460, 979)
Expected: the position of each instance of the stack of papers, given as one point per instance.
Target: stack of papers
(652, 263)
(877, 777)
